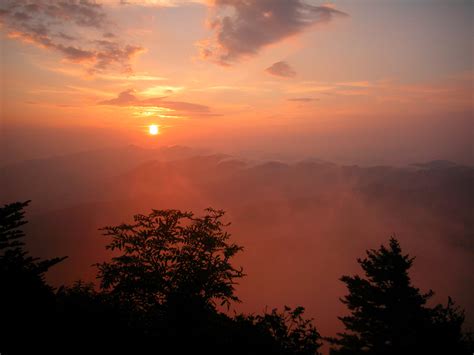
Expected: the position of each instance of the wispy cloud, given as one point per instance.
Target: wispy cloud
(243, 27)
(78, 73)
(303, 99)
(162, 90)
(281, 69)
(159, 3)
(78, 30)
(129, 98)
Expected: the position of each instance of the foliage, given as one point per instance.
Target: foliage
(21, 275)
(88, 319)
(13, 257)
(292, 333)
(388, 315)
(25, 298)
(161, 287)
(170, 253)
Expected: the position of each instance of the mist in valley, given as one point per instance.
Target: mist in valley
(303, 223)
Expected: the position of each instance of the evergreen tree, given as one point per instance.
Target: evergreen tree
(26, 301)
(388, 315)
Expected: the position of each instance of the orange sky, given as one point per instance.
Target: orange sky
(390, 80)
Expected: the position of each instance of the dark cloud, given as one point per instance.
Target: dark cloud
(108, 35)
(128, 98)
(253, 24)
(75, 54)
(83, 12)
(181, 106)
(281, 69)
(66, 37)
(112, 53)
(303, 99)
(80, 12)
(72, 28)
(21, 16)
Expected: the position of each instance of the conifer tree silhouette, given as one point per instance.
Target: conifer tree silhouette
(26, 301)
(388, 315)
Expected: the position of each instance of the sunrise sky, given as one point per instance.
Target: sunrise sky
(356, 81)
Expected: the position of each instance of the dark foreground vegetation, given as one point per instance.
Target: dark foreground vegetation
(169, 278)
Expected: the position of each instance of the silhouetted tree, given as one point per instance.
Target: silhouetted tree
(388, 315)
(87, 319)
(26, 301)
(290, 332)
(170, 254)
(170, 271)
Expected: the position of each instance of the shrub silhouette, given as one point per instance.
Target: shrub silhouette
(388, 315)
(87, 319)
(293, 334)
(26, 301)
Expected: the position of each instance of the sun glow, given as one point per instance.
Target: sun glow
(153, 129)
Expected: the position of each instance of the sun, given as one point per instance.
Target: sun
(153, 129)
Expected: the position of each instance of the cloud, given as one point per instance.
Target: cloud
(75, 29)
(281, 69)
(303, 99)
(243, 27)
(125, 98)
(157, 3)
(128, 98)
